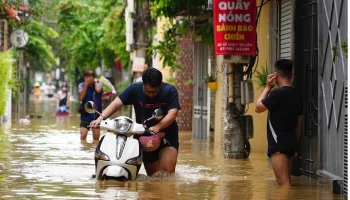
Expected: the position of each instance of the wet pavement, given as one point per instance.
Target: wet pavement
(46, 160)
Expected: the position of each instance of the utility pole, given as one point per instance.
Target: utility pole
(137, 40)
(233, 48)
(141, 39)
(233, 132)
(141, 28)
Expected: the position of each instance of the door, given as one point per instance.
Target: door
(306, 80)
(200, 89)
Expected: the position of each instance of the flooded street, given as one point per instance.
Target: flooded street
(46, 160)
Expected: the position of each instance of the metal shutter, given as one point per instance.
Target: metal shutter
(285, 29)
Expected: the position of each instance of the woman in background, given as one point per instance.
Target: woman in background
(63, 100)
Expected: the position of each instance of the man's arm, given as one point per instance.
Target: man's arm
(83, 92)
(166, 121)
(67, 102)
(58, 100)
(98, 86)
(111, 108)
(271, 81)
(259, 105)
(299, 126)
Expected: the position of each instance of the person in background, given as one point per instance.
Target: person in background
(285, 117)
(37, 91)
(63, 100)
(43, 88)
(89, 90)
(51, 89)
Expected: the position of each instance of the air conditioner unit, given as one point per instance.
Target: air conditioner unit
(247, 92)
(233, 59)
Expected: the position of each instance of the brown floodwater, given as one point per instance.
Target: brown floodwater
(46, 160)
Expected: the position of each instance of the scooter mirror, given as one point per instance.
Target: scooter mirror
(158, 114)
(90, 107)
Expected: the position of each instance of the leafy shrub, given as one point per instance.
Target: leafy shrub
(261, 77)
(5, 68)
(171, 80)
(209, 78)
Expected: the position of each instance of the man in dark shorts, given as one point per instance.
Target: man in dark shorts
(89, 90)
(284, 120)
(146, 96)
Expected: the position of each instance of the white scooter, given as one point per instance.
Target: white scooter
(118, 154)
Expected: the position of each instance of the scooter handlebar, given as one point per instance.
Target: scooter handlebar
(147, 132)
(89, 126)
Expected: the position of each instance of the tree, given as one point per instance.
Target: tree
(92, 32)
(38, 50)
(189, 13)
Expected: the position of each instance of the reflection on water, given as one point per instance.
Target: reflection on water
(46, 160)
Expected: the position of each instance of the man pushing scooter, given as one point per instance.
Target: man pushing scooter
(146, 96)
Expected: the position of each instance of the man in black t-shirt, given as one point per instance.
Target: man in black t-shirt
(146, 96)
(284, 119)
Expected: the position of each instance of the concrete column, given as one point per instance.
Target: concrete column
(233, 135)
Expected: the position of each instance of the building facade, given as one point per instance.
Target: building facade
(314, 35)
(321, 57)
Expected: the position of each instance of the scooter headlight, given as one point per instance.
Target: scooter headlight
(123, 125)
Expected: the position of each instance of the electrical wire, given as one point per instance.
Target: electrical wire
(253, 61)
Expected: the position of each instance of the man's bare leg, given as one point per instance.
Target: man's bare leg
(83, 133)
(166, 163)
(152, 168)
(96, 134)
(290, 166)
(168, 159)
(281, 166)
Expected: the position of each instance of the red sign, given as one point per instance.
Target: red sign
(234, 27)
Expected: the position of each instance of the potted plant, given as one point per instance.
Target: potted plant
(189, 83)
(171, 80)
(261, 77)
(211, 82)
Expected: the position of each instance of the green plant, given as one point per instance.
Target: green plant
(209, 78)
(189, 82)
(122, 85)
(171, 80)
(344, 47)
(334, 49)
(5, 68)
(16, 85)
(182, 15)
(98, 31)
(168, 47)
(261, 77)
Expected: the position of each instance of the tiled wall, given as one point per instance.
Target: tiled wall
(185, 59)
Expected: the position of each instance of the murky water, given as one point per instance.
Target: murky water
(46, 160)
